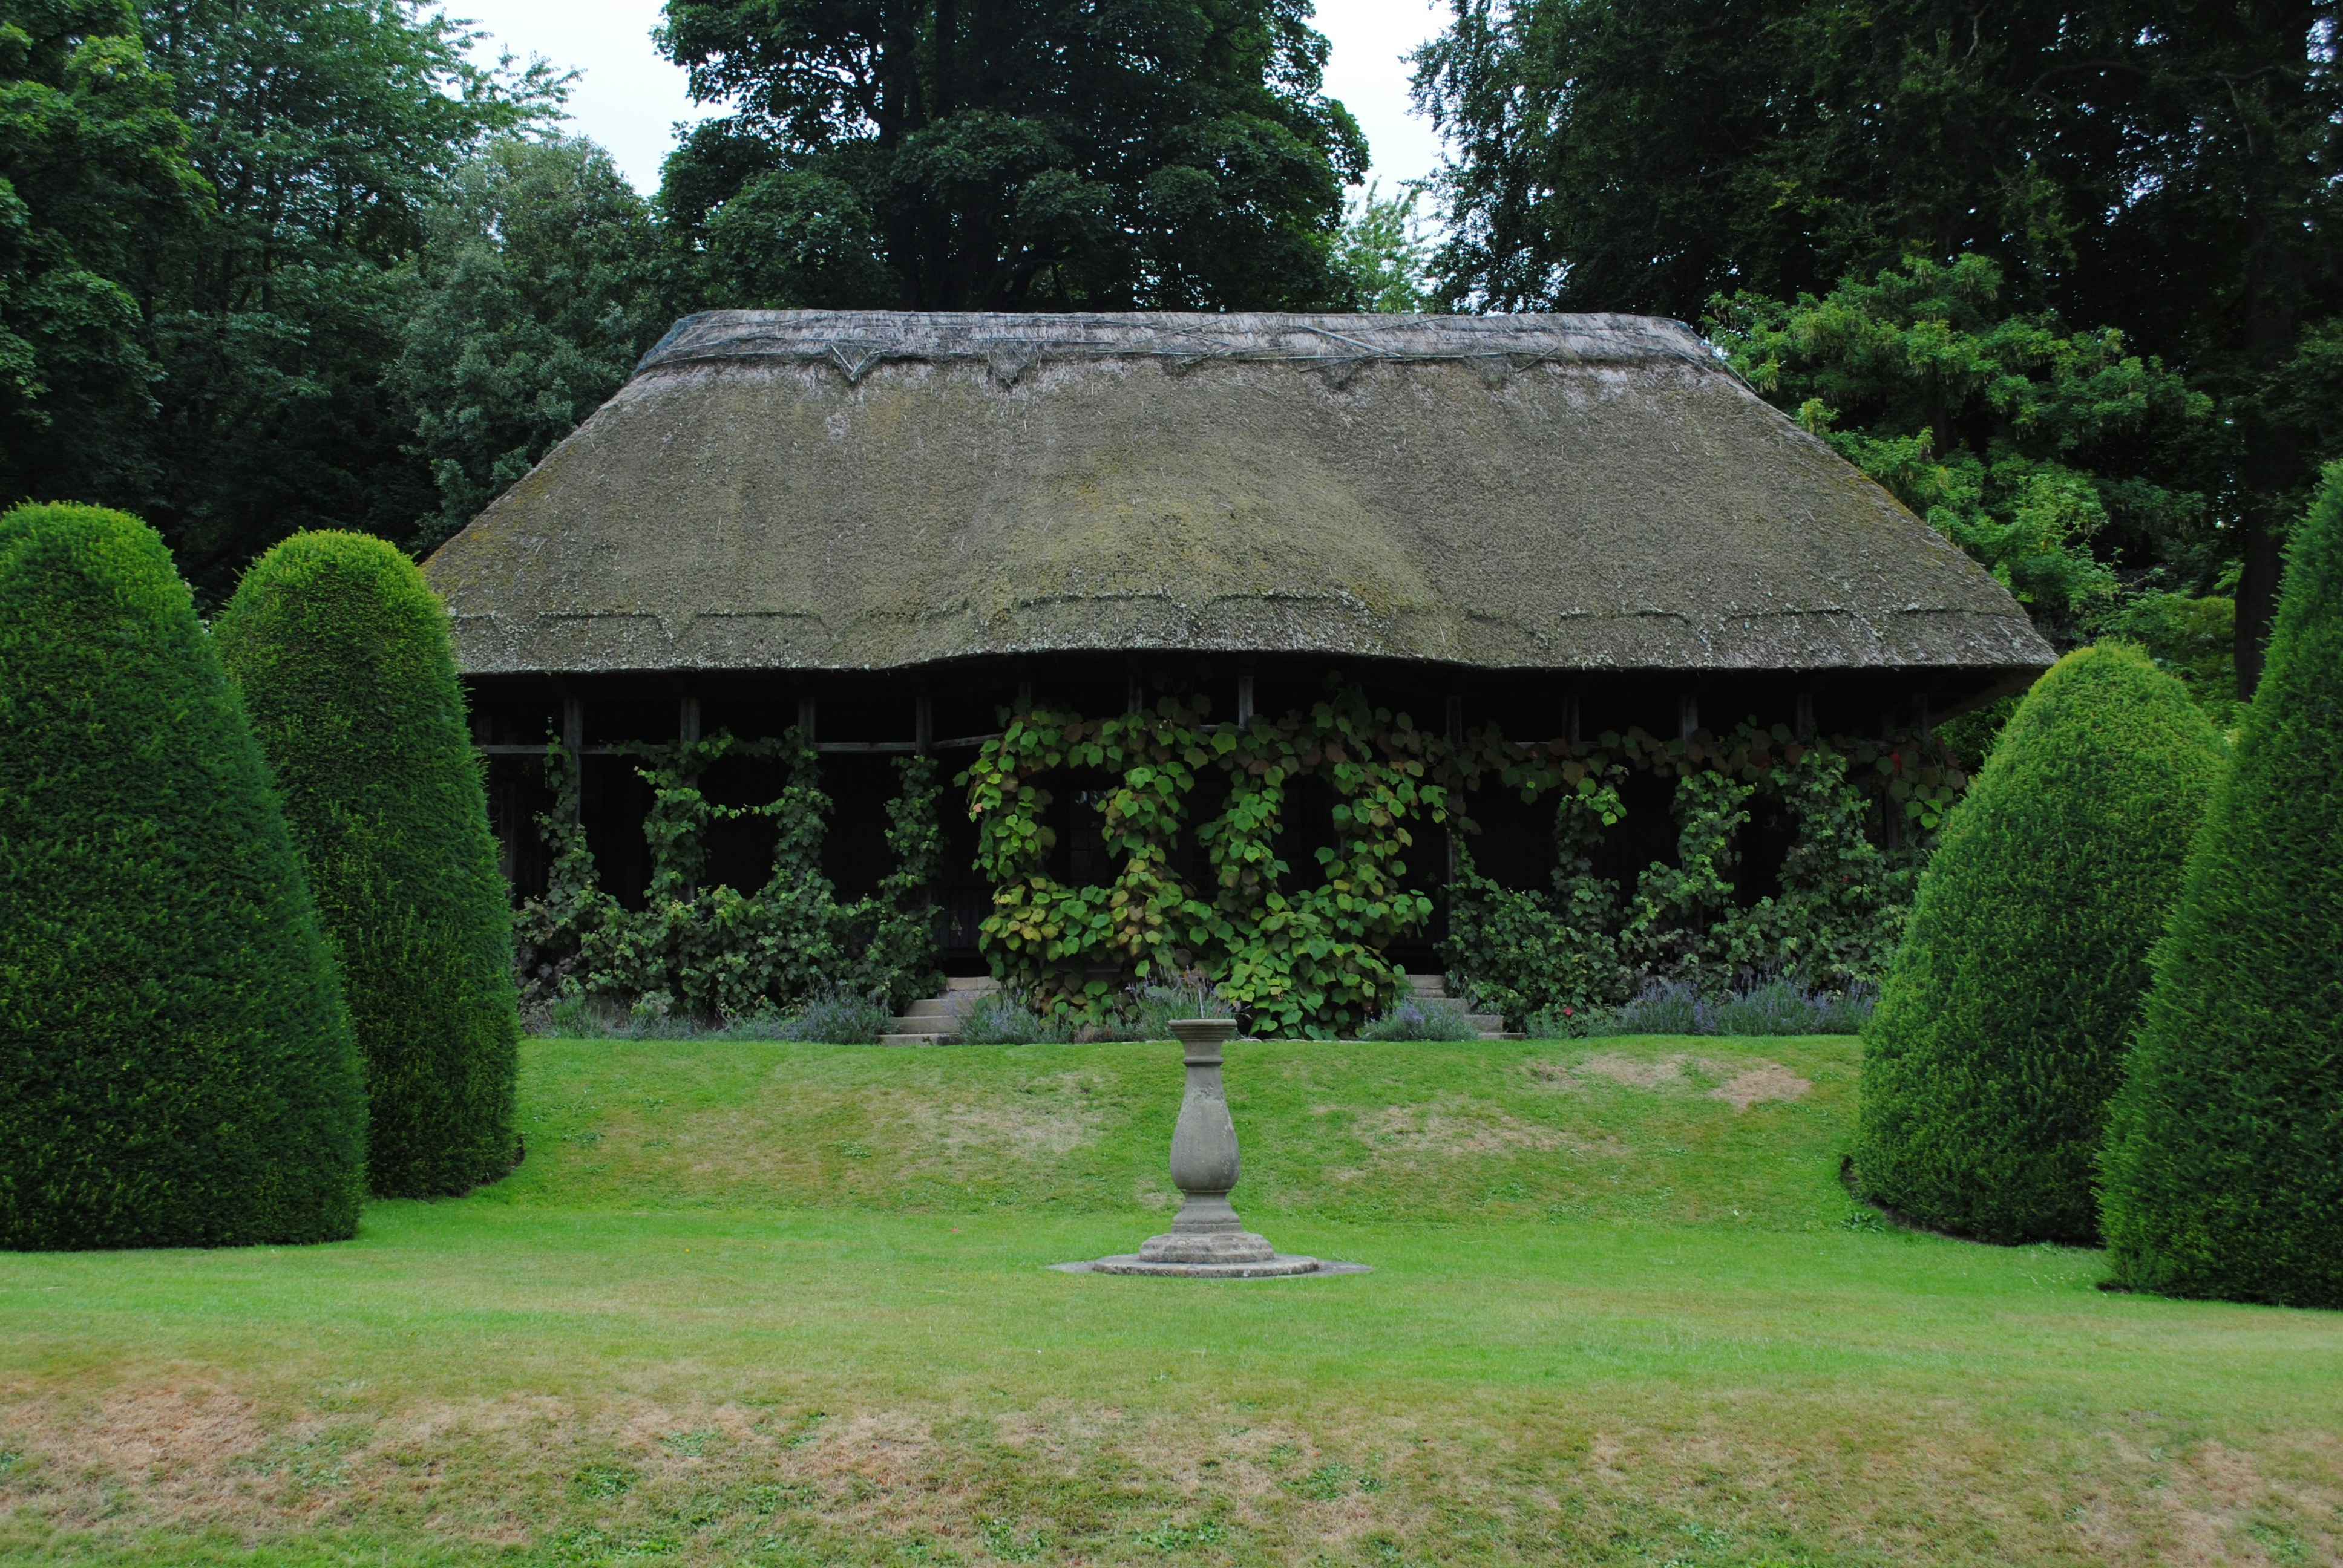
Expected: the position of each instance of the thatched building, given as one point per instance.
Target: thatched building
(886, 527)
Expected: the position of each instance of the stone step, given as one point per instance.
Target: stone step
(935, 1006)
(962, 985)
(1430, 987)
(909, 1038)
(942, 1027)
(1484, 1021)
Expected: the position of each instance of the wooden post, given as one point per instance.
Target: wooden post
(1891, 814)
(687, 721)
(806, 714)
(923, 722)
(1455, 738)
(1687, 717)
(1804, 725)
(1920, 716)
(1245, 700)
(573, 740)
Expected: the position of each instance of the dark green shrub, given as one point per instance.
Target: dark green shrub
(176, 1067)
(2223, 1174)
(2001, 1029)
(342, 657)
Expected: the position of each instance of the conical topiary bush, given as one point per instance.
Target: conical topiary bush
(176, 1068)
(341, 654)
(2223, 1174)
(2002, 1026)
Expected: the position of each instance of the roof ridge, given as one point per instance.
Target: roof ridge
(1012, 342)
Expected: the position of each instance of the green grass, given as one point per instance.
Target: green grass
(786, 1304)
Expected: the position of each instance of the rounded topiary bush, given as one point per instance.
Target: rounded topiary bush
(342, 657)
(2001, 1029)
(2223, 1174)
(176, 1068)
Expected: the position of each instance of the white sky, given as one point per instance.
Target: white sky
(630, 99)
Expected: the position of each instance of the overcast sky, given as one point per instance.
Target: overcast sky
(629, 99)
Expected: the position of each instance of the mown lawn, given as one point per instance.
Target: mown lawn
(786, 1304)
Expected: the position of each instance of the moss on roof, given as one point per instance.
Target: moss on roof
(801, 489)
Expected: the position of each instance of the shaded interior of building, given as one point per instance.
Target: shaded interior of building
(861, 722)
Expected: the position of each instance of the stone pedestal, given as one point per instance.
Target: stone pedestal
(1206, 1239)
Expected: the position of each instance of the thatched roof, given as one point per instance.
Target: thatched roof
(828, 490)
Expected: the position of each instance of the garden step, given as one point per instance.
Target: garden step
(965, 985)
(1431, 988)
(1484, 1021)
(935, 1006)
(911, 1038)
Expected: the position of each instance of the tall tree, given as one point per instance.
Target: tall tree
(2161, 166)
(989, 153)
(92, 167)
(544, 279)
(326, 129)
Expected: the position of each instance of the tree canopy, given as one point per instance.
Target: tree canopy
(205, 238)
(544, 279)
(92, 165)
(1010, 153)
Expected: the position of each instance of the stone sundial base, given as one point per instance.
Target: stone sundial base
(1207, 1240)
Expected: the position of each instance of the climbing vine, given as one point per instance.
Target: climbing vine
(1523, 952)
(1045, 936)
(1309, 960)
(718, 951)
(1300, 952)
(1296, 959)
(1590, 943)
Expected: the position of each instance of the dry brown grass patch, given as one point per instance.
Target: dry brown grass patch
(1766, 1082)
(1924, 1482)
(1456, 1125)
(1745, 1084)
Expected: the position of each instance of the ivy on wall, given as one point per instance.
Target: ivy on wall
(718, 951)
(1295, 959)
(1591, 944)
(1309, 960)
(1300, 953)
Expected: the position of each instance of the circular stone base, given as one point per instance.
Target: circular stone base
(1282, 1266)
